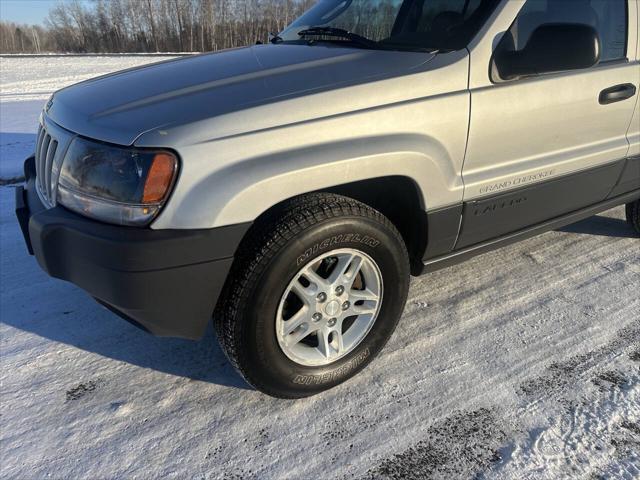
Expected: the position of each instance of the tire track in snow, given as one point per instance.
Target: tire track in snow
(597, 432)
(470, 444)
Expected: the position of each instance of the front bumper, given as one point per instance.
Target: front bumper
(165, 281)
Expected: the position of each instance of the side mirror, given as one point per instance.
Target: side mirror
(553, 47)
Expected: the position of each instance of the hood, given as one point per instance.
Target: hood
(120, 107)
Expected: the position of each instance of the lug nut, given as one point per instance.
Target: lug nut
(339, 290)
(332, 322)
(316, 317)
(322, 297)
(346, 306)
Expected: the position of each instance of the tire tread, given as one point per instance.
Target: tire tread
(633, 215)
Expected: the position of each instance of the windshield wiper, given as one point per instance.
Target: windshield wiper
(339, 33)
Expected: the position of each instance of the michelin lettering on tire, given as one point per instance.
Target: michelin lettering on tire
(344, 370)
(336, 240)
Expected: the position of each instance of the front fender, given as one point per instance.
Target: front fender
(242, 191)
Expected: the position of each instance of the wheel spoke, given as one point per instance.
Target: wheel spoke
(340, 269)
(363, 295)
(323, 343)
(299, 335)
(356, 266)
(298, 319)
(314, 278)
(367, 307)
(338, 340)
(305, 294)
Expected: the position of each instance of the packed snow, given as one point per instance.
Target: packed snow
(523, 363)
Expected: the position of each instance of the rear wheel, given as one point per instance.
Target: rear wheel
(633, 214)
(315, 293)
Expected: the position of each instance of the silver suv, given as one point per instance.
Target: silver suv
(289, 190)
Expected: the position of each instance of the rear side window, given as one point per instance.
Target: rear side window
(608, 17)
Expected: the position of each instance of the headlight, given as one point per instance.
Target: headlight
(126, 186)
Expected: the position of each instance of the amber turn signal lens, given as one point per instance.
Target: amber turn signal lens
(159, 178)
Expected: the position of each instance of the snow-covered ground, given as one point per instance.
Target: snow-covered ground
(520, 364)
(26, 83)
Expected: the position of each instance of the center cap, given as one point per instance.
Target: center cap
(332, 308)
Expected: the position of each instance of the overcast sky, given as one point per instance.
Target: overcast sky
(25, 11)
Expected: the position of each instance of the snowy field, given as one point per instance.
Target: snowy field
(520, 364)
(26, 83)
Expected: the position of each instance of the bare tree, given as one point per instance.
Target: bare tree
(106, 26)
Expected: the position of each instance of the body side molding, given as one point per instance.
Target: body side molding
(459, 256)
(490, 217)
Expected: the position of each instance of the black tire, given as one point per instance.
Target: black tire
(269, 259)
(633, 215)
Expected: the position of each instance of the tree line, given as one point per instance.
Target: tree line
(144, 26)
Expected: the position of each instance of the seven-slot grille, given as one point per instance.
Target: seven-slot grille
(46, 148)
(50, 149)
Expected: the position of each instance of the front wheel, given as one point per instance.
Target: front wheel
(633, 215)
(315, 293)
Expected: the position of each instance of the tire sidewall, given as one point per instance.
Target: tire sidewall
(268, 361)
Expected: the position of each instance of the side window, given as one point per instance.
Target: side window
(612, 27)
(608, 17)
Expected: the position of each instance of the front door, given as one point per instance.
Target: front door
(546, 145)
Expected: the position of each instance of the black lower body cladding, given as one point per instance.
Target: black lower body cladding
(167, 281)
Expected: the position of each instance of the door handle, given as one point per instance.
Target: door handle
(617, 93)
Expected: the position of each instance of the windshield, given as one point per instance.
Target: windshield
(395, 24)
